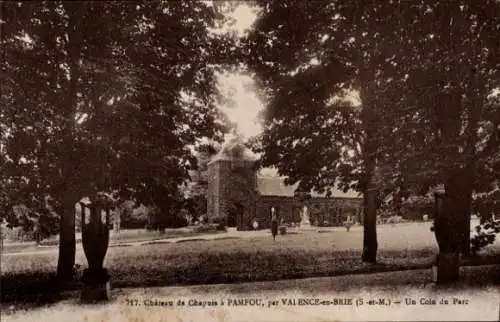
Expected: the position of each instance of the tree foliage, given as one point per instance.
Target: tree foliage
(448, 119)
(309, 56)
(105, 96)
(423, 72)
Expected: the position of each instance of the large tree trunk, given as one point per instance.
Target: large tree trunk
(465, 217)
(452, 227)
(444, 229)
(370, 244)
(459, 192)
(67, 243)
(370, 148)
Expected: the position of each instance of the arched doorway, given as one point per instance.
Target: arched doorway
(235, 214)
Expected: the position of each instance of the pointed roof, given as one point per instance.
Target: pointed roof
(234, 149)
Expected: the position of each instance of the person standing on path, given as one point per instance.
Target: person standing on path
(274, 223)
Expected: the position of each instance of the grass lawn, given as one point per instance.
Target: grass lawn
(234, 260)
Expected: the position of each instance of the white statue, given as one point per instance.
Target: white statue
(274, 223)
(305, 218)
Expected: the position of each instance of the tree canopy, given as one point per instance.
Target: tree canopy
(106, 96)
(423, 74)
(308, 57)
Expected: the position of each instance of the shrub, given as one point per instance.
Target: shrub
(205, 228)
(133, 218)
(203, 220)
(282, 230)
(51, 242)
(220, 222)
(159, 220)
(486, 233)
(134, 224)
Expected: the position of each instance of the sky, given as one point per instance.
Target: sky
(246, 106)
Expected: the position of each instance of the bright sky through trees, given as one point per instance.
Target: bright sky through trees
(245, 106)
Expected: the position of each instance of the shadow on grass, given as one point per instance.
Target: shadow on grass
(33, 289)
(41, 288)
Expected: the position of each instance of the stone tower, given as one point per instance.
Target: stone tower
(232, 183)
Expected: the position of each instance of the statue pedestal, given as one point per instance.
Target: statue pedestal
(306, 226)
(305, 223)
(96, 287)
(446, 268)
(95, 241)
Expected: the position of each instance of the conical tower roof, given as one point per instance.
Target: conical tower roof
(234, 149)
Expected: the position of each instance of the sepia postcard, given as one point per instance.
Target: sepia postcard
(244, 161)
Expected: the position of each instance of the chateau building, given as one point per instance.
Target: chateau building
(241, 194)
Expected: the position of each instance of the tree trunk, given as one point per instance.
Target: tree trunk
(67, 243)
(459, 191)
(448, 267)
(469, 174)
(370, 148)
(465, 227)
(370, 244)
(444, 228)
(452, 227)
(117, 219)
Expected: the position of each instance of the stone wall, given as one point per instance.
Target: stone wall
(226, 185)
(232, 179)
(322, 211)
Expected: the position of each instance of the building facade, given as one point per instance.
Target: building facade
(240, 195)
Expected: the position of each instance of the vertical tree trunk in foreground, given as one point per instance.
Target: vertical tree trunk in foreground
(464, 209)
(67, 243)
(465, 219)
(370, 148)
(370, 244)
(452, 228)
